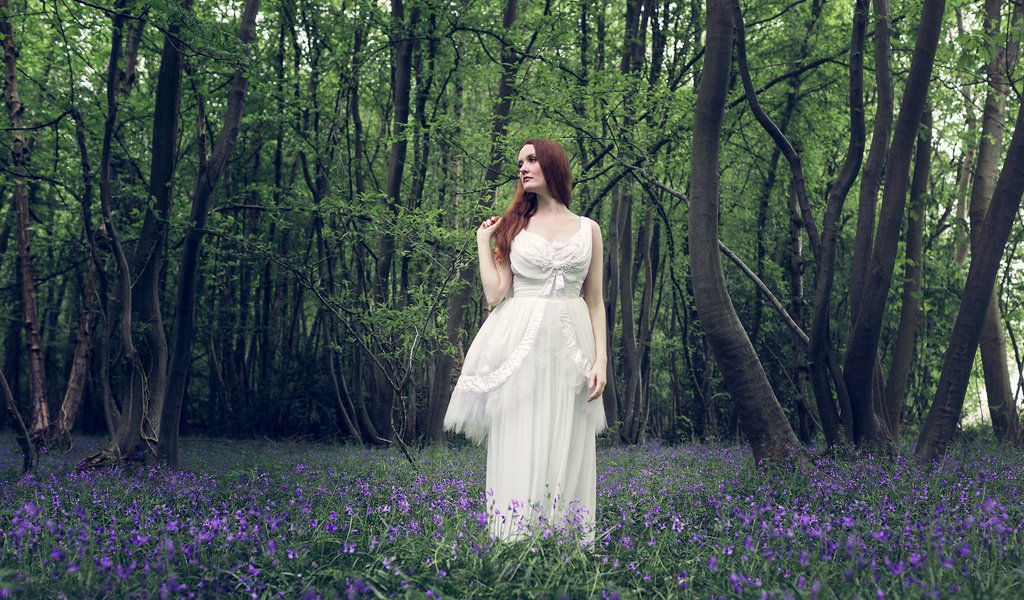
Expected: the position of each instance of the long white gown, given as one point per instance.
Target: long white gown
(523, 389)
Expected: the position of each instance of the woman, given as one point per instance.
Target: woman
(532, 379)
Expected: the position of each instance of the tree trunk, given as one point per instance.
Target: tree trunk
(401, 86)
(765, 425)
(28, 450)
(629, 398)
(940, 424)
(965, 172)
(188, 278)
(149, 253)
(19, 161)
(65, 420)
(1002, 408)
(862, 352)
(823, 364)
(871, 178)
(903, 350)
(797, 307)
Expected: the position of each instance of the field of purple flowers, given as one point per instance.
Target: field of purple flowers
(264, 520)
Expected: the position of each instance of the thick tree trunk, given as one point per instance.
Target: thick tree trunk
(862, 352)
(19, 160)
(188, 278)
(765, 425)
(940, 424)
(149, 253)
(906, 333)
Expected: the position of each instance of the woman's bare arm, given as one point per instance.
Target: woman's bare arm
(495, 275)
(593, 295)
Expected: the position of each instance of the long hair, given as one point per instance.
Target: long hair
(554, 164)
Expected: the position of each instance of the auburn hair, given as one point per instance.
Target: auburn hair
(554, 164)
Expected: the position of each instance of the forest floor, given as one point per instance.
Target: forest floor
(265, 519)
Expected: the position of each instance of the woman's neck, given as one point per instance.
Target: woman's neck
(549, 206)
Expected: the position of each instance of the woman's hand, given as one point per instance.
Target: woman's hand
(597, 381)
(485, 232)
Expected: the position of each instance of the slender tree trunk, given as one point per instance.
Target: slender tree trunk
(765, 425)
(871, 178)
(28, 450)
(940, 424)
(964, 176)
(620, 245)
(769, 183)
(903, 350)
(824, 365)
(401, 86)
(797, 307)
(1002, 408)
(209, 174)
(65, 420)
(19, 161)
(862, 352)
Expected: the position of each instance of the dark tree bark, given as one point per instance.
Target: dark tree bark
(940, 424)
(29, 455)
(19, 161)
(871, 178)
(906, 333)
(188, 279)
(768, 431)
(149, 253)
(401, 90)
(861, 355)
(127, 422)
(102, 339)
(822, 361)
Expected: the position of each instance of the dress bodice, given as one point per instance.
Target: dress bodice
(550, 268)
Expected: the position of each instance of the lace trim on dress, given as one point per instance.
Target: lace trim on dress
(483, 384)
(575, 351)
(489, 382)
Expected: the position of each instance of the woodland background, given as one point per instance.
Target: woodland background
(256, 218)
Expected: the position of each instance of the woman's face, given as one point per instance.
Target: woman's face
(530, 173)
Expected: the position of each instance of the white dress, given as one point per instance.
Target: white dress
(523, 389)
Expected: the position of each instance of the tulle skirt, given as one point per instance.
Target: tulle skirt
(523, 390)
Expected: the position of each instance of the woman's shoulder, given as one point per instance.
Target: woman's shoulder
(594, 225)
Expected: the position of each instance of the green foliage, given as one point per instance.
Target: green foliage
(294, 266)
